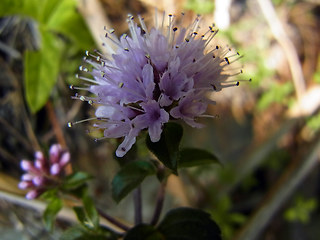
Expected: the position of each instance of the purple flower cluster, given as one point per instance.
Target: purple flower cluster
(154, 76)
(43, 174)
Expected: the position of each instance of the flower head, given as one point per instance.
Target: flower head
(43, 173)
(155, 75)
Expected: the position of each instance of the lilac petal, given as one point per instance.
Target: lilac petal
(155, 132)
(165, 100)
(127, 143)
(189, 107)
(105, 111)
(148, 80)
(153, 118)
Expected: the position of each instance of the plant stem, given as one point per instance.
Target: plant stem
(159, 205)
(137, 206)
(113, 220)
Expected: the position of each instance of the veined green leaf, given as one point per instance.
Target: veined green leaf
(41, 70)
(66, 20)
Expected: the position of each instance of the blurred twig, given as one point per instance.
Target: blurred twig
(55, 124)
(286, 185)
(288, 47)
(66, 213)
(17, 135)
(95, 17)
(249, 163)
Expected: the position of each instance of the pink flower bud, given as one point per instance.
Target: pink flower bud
(54, 153)
(65, 159)
(38, 180)
(32, 194)
(39, 155)
(27, 177)
(26, 165)
(38, 164)
(24, 185)
(55, 169)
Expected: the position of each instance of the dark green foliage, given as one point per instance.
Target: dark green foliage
(129, 177)
(167, 148)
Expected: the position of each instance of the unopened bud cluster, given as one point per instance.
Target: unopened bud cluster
(43, 173)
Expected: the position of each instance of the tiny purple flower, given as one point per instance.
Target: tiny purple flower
(155, 75)
(43, 173)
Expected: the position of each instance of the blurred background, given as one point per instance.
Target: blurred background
(266, 136)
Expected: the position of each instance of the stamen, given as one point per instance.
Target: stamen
(84, 69)
(143, 25)
(71, 124)
(213, 34)
(86, 79)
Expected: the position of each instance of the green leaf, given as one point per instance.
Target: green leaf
(189, 224)
(50, 194)
(51, 211)
(38, 10)
(76, 180)
(143, 232)
(191, 157)
(91, 210)
(167, 148)
(29, 8)
(129, 177)
(81, 215)
(80, 233)
(67, 20)
(41, 70)
(277, 93)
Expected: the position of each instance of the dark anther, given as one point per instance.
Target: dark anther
(238, 83)
(214, 87)
(194, 60)
(217, 47)
(227, 60)
(175, 29)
